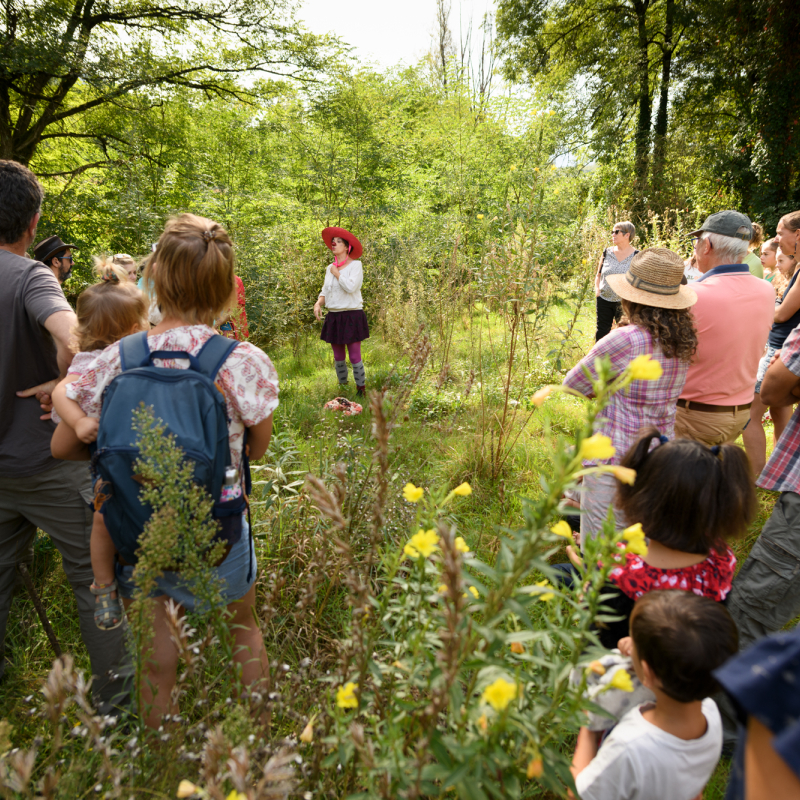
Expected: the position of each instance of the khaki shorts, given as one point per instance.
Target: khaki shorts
(710, 427)
(766, 592)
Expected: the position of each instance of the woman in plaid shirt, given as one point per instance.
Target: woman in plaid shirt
(657, 323)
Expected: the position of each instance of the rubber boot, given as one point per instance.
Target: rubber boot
(341, 372)
(360, 376)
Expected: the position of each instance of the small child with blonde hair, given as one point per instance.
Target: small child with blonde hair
(107, 311)
(769, 263)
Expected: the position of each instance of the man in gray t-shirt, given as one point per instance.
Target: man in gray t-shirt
(36, 490)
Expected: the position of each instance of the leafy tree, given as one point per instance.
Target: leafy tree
(741, 97)
(61, 60)
(620, 56)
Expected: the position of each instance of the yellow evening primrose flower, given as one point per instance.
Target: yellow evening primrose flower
(442, 588)
(422, 543)
(541, 395)
(499, 694)
(637, 546)
(234, 795)
(513, 168)
(621, 681)
(644, 368)
(345, 696)
(597, 668)
(634, 531)
(186, 789)
(413, 493)
(307, 736)
(624, 474)
(461, 545)
(480, 216)
(562, 528)
(545, 596)
(535, 768)
(463, 490)
(474, 592)
(634, 535)
(597, 448)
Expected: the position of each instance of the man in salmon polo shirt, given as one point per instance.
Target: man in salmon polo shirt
(733, 316)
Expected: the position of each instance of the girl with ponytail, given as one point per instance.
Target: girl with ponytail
(690, 500)
(191, 274)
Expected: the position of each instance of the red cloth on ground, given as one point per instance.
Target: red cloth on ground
(710, 578)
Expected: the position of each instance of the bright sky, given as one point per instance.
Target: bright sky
(389, 31)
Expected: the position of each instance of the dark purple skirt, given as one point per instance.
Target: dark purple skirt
(345, 327)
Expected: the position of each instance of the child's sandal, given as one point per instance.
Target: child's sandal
(108, 611)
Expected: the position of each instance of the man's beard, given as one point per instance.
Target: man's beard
(63, 277)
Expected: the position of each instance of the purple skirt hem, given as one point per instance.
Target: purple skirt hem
(345, 327)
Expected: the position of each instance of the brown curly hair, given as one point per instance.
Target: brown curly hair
(672, 328)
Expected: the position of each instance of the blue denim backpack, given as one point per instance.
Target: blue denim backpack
(193, 409)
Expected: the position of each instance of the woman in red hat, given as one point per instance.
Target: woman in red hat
(345, 326)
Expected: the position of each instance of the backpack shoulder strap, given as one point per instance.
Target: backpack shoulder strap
(134, 351)
(213, 354)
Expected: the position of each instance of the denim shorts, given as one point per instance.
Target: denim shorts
(763, 364)
(237, 574)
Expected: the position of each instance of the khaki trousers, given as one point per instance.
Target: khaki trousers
(710, 427)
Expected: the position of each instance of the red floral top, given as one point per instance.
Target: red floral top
(710, 578)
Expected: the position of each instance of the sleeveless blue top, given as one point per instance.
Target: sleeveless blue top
(780, 330)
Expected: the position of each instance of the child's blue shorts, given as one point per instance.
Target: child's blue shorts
(237, 574)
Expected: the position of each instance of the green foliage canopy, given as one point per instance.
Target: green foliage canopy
(61, 62)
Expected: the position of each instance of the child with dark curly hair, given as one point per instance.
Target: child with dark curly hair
(665, 750)
(658, 324)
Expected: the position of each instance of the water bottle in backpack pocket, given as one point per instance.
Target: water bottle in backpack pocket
(192, 407)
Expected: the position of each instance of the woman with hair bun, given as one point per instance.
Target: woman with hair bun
(345, 325)
(192, 275)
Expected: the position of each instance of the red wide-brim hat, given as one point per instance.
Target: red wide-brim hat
(355, 246)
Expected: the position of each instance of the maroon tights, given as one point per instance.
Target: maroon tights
(353, 348)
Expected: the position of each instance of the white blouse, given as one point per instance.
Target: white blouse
(344, 293)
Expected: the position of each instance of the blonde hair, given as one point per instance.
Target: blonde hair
(109, 309)
(191, 270)
(757, 237)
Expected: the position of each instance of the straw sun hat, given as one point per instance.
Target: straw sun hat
(654, 279)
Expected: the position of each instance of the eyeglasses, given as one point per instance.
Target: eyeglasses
(695, 239)
(615, 232)
(66, 258)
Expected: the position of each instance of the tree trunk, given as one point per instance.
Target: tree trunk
(775, 105)
(662, 120)
(644, 113)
